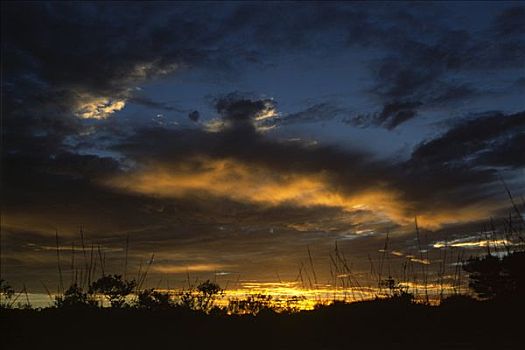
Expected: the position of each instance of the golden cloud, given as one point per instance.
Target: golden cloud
(239, 182)
(228, 178)
(91, 107)
(188, 268)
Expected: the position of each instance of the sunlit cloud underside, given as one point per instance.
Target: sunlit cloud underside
(228, 178)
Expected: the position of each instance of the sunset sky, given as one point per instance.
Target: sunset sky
(228, 138)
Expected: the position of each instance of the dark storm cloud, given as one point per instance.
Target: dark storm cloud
(460, 166)
(392, 115)
(473, 140)
(194, 116)
(99, 47)
(145, 101)
(396, 113)
(239, 110)
(422, 77)
(508, 151)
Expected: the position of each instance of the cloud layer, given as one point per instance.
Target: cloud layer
(227, 169)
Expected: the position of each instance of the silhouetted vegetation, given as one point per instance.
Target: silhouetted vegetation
(150, 299)
(501, 276)
(495, 277)
(113, 288)
(194, 318)
(252, 304)
(202, 298)
(74, 297)
(397, 290)
(6, 294)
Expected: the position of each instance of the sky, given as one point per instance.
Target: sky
(229, 139)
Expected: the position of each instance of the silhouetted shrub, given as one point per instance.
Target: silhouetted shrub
(396, 290)
(201, 298)
(74, 297)
(154, 300)
(251, 304)
(113, 288)
(492, 277)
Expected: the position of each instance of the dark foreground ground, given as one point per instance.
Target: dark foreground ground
(366, 325)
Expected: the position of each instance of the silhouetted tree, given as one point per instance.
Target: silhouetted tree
(74, 297)
(492, 277)
(202, 298)
(113, 288)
